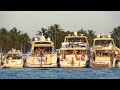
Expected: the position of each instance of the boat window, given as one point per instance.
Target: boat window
(42, 43)
(78, 52)
(17, 56)
(83, 40)
(103, 42)
(46, 49)
(102, 53)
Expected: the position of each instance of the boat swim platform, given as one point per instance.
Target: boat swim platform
(73, 67)
(100, 66)
(40, 66)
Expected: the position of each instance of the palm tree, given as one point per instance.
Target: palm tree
(91, 35)
(81, 31)
(13, 39)
(116, 35)
(55, 33)
(44, 32)
(4, 39)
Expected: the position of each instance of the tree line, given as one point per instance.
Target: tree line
(14, 39)
(17, 39)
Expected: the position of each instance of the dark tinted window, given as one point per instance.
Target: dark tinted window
(42, 43)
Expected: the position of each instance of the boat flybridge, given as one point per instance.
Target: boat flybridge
(103, 52)
(42, 55)
(75, 51)
(13, 59)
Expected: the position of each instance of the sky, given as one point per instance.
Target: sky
(32, 21)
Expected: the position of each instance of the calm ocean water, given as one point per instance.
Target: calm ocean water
(59, 73)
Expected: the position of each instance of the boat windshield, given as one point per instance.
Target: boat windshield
(84, 40)
(103, 42)
(14, 56)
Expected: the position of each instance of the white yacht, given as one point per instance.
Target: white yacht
(103, 52)
(75, 51)
(13, 59)
(42, 54)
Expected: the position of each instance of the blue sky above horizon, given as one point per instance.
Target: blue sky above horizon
(32, 21)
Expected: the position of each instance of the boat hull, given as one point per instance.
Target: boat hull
(13, 63)
(102, 62)
(7, 66)
(98, 65)
(40, 66)
(47, 61)
(72, 61)
(79, 64)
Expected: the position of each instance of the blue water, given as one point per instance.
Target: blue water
(59, 73)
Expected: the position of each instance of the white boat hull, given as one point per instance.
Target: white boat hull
(102, 62)
(14, 63)
(40, 66)
(47, 61)
(67, 62)
(82, 64)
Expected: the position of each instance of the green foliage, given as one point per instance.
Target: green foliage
(116, 36)
(13, 39)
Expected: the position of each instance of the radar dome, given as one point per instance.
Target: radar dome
(75, 33)
(109, 36)
(36, 39)
(48, 39)
(42, 38)
(98, 36)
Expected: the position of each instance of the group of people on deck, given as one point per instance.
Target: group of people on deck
(41, 51)
(74, 52)
(14, 56)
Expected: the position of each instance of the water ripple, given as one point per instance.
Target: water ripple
(59, 73)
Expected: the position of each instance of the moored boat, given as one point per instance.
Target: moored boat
(75, 51)
(13, 59)
(42, 54)
(103, 52)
